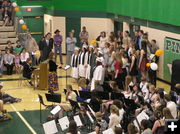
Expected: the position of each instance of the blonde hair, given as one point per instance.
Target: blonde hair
(82, 83)
(119, 58)
(114, 109)
(128, 80)
(98, 116)
(167, 113)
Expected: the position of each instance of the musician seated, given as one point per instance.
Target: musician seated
(28, 69)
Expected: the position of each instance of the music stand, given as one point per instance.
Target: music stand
(54, 98)
(42, 103)
(85, 94)
(65, 69)
(103, 95)
(118, 96)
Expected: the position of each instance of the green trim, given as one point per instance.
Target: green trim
(16, 79)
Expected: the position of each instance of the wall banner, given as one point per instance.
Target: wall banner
(171, 53)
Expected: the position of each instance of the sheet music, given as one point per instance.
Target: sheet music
(139, 118)
(78, 120)
(67, 67)
(64, 123)
(88, 114)
(108, 131)
(50, 127)
(92, 132)
(55, 110)
(136, 124)
(92, 111)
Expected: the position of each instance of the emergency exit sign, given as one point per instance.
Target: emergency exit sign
(29, 9)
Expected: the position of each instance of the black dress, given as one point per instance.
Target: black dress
(134, 70)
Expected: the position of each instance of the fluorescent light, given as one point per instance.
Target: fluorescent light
(32, 6)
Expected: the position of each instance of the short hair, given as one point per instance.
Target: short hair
(145, 124)
(69, 87)
(118, 130)
(118, 103)
(141, 31)
(167, 97)
(51, 54)
(28, 59)
(8, 41)
(17, 41)
(154, 40)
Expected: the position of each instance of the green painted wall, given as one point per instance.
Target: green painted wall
(47, 4)
(164, 11)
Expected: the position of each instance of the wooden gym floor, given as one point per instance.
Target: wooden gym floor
(26, 113)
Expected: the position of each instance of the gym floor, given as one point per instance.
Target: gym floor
(26, 115)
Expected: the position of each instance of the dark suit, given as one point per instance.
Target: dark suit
(46, 48)
(27, 70)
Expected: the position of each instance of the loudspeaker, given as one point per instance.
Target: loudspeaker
(175, 78)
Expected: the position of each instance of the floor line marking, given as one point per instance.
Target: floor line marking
(23, 119)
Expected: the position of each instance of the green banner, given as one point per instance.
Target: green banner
(171, 53)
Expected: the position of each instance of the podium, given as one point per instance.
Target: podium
(40, 76)
(43, 76)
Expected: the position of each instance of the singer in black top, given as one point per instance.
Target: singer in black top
(53, 78)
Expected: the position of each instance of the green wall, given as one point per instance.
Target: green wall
(163, 11)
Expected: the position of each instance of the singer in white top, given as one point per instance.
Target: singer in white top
(75, 64)
(99, 72)
(88, 69)
(83, 57)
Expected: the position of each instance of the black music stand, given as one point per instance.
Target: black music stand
(54, 98)
(85, 94)
(65, 69)
(103, 95)
(118, 96)
(41, 102)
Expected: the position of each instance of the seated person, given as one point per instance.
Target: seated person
(9, 62)
(3, 113)
(101, 124)
(24, 56)
(6, 12)
(18, 48)
(145, 125)
(28, 69)
(6, 97)
(114, 120)
(9, 46)
(98, 87)
(66, 106)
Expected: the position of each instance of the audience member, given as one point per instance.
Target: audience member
(9, 62)
(83, 35)
(58, 39)
(9, 46)
(18, 48)
(71, 43)
(73, 129)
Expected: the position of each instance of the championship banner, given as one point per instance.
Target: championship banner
(171, 53)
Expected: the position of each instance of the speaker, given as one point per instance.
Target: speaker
(175, 78)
